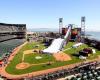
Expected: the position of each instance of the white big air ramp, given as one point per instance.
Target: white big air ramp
(57, 44)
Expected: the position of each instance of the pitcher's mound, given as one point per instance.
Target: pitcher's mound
(22, 65)
(60, 56)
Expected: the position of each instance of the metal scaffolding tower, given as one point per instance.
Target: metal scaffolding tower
(60, 25)
(83, 28)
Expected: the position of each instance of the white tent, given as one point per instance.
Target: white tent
(77, 45)
(94, 51)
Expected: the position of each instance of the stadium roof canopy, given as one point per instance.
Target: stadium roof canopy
(13, 24)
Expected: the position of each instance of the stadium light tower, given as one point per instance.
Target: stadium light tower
(60, 25)
(82, 28)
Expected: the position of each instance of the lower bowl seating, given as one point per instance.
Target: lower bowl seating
(6, 47)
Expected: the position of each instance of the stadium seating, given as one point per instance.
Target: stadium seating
(73, 74)
(10, 31)
(89, 75)
(93, 42)
(7, 37)
(7, 46)
(5, 29)
(10, 28)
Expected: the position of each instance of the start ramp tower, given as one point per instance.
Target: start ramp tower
(57, 44)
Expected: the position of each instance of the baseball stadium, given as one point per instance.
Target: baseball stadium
(66, 55)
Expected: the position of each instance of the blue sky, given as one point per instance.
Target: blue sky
(45, 13)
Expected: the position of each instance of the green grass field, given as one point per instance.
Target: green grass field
(30, 58)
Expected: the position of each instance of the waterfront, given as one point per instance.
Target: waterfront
(93, 34)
